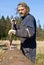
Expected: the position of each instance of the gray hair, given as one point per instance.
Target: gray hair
(24, 5)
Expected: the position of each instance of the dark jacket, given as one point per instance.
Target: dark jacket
(28, 38)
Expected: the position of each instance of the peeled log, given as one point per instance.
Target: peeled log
(15, 57)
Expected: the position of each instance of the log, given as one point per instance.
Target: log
(15, 57)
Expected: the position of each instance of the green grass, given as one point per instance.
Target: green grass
(39, 59)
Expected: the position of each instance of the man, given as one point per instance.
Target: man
(27, 31)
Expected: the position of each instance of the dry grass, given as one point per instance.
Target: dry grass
(40, 51)
(40, 45)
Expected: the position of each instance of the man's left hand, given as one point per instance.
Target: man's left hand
(12, 32)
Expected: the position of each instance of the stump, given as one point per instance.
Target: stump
(15, 57)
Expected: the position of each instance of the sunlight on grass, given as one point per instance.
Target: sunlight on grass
(39, 59)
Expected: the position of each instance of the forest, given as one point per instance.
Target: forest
(5, 26)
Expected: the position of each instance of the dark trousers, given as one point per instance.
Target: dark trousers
(29, 53)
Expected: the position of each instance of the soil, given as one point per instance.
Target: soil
(14, 57)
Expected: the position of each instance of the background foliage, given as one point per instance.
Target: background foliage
(5, 27)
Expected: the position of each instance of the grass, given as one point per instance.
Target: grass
(39, 59)
(39, 56)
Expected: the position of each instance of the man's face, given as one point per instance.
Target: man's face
(22, 10)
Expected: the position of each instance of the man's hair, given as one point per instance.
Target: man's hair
(24, 5)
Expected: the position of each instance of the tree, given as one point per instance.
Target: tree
(7, 26)
(39, 25)
(40, 31)
(2, 27)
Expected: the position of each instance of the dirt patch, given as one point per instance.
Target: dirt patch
(15, 57)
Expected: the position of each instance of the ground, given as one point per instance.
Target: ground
(15, 57)
(40, 45)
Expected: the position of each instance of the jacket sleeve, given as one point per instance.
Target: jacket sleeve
(21, 32)
(27, 30)
(31, 27)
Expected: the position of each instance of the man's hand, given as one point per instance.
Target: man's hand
(12, 32)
